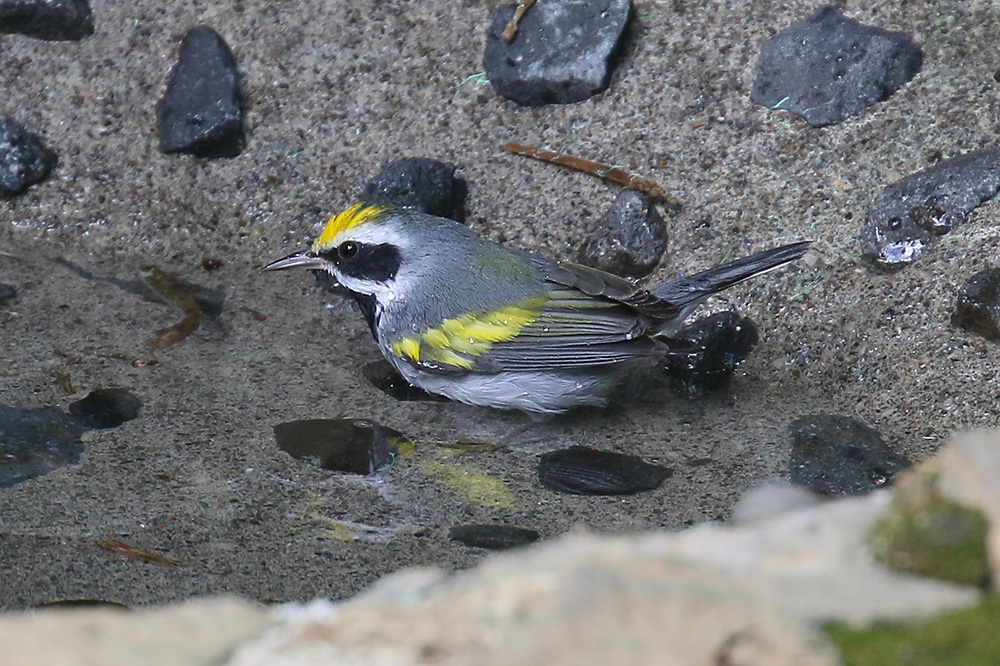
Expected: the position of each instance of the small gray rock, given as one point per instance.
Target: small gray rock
(24, 161)
(838, 455)
(53, 20)
(630, 239)
(828, 67)
(202, 111)
(914, 210)
(978, 308)
(421, 184)
(562, 53)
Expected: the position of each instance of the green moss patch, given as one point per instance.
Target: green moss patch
(969, 637)
(925, 533)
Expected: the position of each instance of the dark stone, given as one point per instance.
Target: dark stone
(719, 343)
(385, 378)
(978, 308)
(106, 408)
(828, 67)
(345, 445)
(53, 20)
(630, 240)
(562, 53)
(419, 183)
(202, 110)
(581, 470)
(912, 211)
(493, 537)
(24, 161)
(34, 442)
(838, 455)
(7, 294)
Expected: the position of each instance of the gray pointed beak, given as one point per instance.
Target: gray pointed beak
(308, 260)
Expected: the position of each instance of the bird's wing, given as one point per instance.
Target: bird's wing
(598, 283)
(564, 328)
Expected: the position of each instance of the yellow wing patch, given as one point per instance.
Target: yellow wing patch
(353, 217)
(457, 341)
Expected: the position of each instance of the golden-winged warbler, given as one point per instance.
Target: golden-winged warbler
(488, 325)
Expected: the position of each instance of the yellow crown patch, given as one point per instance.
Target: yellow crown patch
(353, 217)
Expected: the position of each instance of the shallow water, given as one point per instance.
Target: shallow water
(333, 93)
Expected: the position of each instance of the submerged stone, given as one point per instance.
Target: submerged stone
(493, 537)
(53, 20)
(387, 379)
(838, 455)
(562, 52)
(419, 183)
(34, 442)
(978, 308)
(828, 67)
(630, 239)
(106, 408)
(719, 343)
(24, 161)
(911, 212)
(7, 294)
(582, 470)
(202, 111)
(343, 445)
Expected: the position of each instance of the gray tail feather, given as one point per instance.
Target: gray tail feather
(691, 290)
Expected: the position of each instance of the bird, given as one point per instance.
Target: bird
(485, 324)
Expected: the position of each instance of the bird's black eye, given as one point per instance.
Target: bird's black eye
(348, 250)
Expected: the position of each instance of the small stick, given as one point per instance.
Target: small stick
(605, 171)
(510, 32)
(137, 553)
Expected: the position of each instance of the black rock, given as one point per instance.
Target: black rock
(562, 52)
(630, 239)
(493, 537)
(106, 408)
(837, 455)
(24, 161)
(34, 442)
(978, 308)
(419, 183)
(581, 470)
(385, 378)
(202, 110)
(345, 445)
(827, 67)
(7, 294)
(719, 343)
(912, 211)
(54, 20)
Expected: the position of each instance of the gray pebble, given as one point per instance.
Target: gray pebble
(24, 161)
(909, 213)
(419, 183)
(630, 239)
(828, 67)
(562, 53)
(53, 20)
(202, 111)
